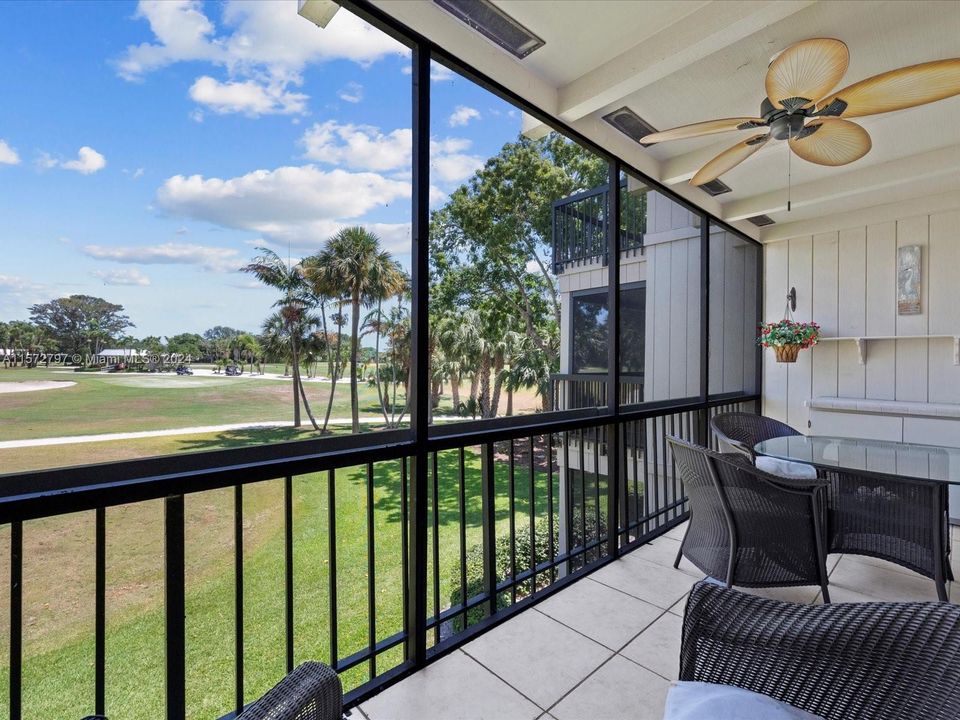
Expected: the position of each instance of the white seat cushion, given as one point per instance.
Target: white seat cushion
(706, 701)
(786, 468)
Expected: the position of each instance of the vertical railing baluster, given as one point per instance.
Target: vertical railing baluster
(371, 577)
(673, 471)
(550, 548)
(100, 612)
(567, 484)
(462, 507)
(511, 504)
(581, 437)
(533, 520)
(645, 435)
(656, 476)
(404, 523)
(488, 493)
(238, 597)
(597, 438)
(332, 562)
(436, 550)
(16, 619)
(175, 607)
(288, 567)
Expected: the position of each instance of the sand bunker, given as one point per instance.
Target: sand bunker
(31, 385)
(164, 382)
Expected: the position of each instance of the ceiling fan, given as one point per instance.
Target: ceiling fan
(800, 107)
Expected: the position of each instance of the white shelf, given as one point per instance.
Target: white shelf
(862, 342)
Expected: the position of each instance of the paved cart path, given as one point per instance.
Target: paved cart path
(70, 439)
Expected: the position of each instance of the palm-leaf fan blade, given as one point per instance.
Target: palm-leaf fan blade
(699, 129)
(898, 89)
(806, 71)
(831, 141)
(729, 159)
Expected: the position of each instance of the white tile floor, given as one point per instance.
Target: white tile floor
(604, 648)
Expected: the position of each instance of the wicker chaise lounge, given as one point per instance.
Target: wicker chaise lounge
(868, 661)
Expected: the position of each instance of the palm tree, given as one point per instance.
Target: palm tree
(353, 265)
(294, 304)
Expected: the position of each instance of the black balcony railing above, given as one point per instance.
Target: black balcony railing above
(579, 226)
(514, 512)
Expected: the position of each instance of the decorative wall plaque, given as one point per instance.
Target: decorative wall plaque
(908, 280)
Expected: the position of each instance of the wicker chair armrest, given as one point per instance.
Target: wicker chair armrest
(863, 660)
(311, 692)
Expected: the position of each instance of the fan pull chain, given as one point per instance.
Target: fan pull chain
(789, 166)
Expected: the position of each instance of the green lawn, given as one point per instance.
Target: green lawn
(58, 680)
(128, 402)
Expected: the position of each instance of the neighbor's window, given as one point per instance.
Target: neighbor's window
(590, 335)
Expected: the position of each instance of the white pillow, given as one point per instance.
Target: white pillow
(786, 468)
(707, 701)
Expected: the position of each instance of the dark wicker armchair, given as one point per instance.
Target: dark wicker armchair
(742, 431)
(748, 527)
(311, 692)
(869, 661)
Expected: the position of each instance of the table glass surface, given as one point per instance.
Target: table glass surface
(924, 462)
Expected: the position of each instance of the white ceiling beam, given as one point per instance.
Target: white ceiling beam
(925, 205)
(704, 32)
(681, 168)
(861, 181)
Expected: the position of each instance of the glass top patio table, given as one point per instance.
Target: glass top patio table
(905, 460)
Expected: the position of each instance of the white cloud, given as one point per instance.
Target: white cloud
(122, 277)
(463, 115)
(8, 156)
(248, 97)
(364, 147)
(214, 259)
(16, 284)
(358, 146)
(298, 204)
(45, 161)
(438, 72)
(455, 168)
(263, 42)
(88, 161)
(352, 92)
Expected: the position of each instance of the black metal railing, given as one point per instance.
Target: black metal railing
(515, 511)
(575, 391)
(579, 227)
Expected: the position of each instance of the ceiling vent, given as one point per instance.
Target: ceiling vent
(761, 220)
(491, 22)
(717, 187)
(630, 124)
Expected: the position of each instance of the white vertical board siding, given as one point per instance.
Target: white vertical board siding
(852, 316)
(751, 257)
(775, 377)
(800, 276)
(852, 288)
(716, 319)
(692, 349)
(825, 304)
(881, 309)
(944, 269)
(679, 291)
(912, 372)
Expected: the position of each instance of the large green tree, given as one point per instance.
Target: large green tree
(491, 241)
(80, 323)
(353, 265)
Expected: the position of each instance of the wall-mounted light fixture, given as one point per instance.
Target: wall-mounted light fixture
(792, 299)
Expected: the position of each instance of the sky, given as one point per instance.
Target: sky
(147, 149)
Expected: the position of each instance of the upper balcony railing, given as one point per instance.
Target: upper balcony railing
(580, 226)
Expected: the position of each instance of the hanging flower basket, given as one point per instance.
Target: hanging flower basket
(788, 338)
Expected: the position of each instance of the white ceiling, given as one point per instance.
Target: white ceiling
(677, 62)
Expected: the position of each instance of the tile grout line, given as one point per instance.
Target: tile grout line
(505, 682)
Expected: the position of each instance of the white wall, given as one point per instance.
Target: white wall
(846, 281)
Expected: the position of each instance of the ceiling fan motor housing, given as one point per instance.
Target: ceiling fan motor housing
(784, 124)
